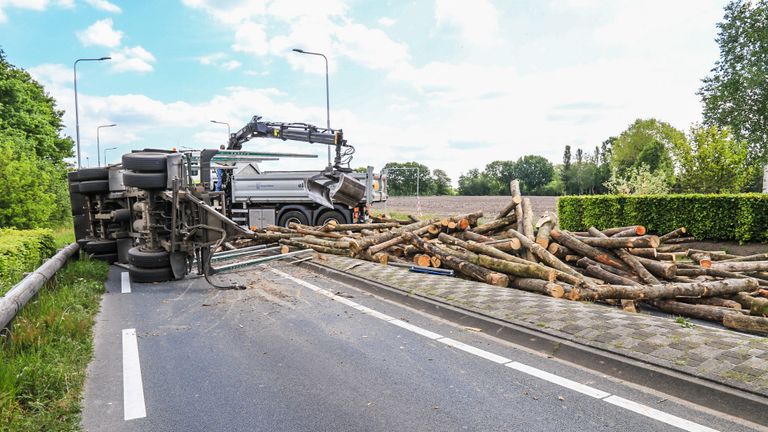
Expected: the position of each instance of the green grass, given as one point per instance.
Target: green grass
(63, 235)
(404, 216)
(44, 355)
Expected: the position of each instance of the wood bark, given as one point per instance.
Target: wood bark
(421, 260)
(700, 311)
(542, 254)
(305, 230)
(756, 305)
(662, 269)
(713, 301)
(672, 235)
(756, 257)
(542, 235)
(644, 252)
(551, 289)
(740, 266)
(752, 324)
(637, 230)
(359, 245)
(516, 199)
(671, 290)
(333, 226)
(318, 248)
(559, 250)
(493, 225)
(576, 245)
(608, 277)
(630, 260)
(621, 242)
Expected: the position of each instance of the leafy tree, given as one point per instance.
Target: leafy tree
(25, 107)
(442, 183)
(646, 142)
(403, 181)
(713, 161)
(638, 180)
(735, 94)
(534, 172)
(475, 182)
(502, 172)
(565, 172)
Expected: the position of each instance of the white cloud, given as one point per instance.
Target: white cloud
(132, 59)
(52, 74)
(104, 5)
(386, 21)
(34, 5)
(101, 33)
(477, 22)
(219, 59)
(231, 65)
(251, 38)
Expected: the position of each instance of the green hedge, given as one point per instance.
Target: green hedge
(22, 251)
(741, 217)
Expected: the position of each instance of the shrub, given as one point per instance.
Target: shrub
(22, 251)
(741, 217)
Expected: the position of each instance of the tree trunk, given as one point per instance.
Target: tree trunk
(608, 277)
(752, 324)
(637, 230)
(702, 259)
(559, 250)
(529, 270)
(516, 199)
(493, 225)
(543, 254)
(756, 257)
(629, 259)
(672, 235)
(756, 305)
(713, 301)
(542, 235)
(741, 266)
(469, 235)
(305, 230)
(359, 245)
(644, 252)
(551, 289)
(662, 269)
(621, 242)
(576, 245)
(421, 260)
(700, 311)
(649, 292)
(318, 248)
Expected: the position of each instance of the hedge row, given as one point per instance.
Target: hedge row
(22, 251)
(740, 217)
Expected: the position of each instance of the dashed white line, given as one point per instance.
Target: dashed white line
(133, 389)
(538, 373)
(657, 415)
(125, 283)
(556, 379)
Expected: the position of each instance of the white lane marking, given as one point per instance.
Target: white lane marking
(476, 351)
(520, 367)
(657, 415)
(133, 389)
(416, 329)
(564, 382)
(125, 283)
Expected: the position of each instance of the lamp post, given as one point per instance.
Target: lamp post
(77, 116)
(327, 93)
(229, 131)
(98, 150)
(87, 162)
(105, 154)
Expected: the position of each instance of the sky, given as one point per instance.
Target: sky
(452, 84)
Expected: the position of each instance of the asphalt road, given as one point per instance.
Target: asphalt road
(286, 355)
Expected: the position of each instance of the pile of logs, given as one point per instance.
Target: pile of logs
(623, 266)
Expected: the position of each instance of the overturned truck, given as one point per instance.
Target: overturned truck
(162, 213)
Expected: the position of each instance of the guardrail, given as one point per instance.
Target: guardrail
(18, 296)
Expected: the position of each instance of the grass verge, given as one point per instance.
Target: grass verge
(44, 355)
(63, 235)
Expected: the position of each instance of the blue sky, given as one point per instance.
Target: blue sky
(453, 84)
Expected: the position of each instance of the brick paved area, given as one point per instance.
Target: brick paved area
(720, 355)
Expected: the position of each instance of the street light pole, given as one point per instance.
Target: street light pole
(105, 153)
(229, 130)
(327, 93)
(77, 116)
(98, 150)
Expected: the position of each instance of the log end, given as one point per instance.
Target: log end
(498, 279)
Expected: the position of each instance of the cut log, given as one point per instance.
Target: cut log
(332, 225)
(608, 277)
(318, 248)
(634, 231)
(756, 257)
(629, 259)
(506, 244)
(421, 260)
(700, 258)
(680, 240)
(664, 270)
(644, 252)
(305, 230)
(559, 250)
(621, 242)
(542, 254)
(435, 262)
(713, 301)
(756, 305)
(529, 270)
(516, 199)
(671, 290)
(339, 244)
(494, 225)
(469, 235)
(672, 235)
(551, 289)
(752, 324)
(359, 245)
(741, 266)
(576, 245)
(514, 190)
(699, 311)
(542, 235)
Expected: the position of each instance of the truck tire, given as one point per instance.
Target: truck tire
(331, 215)
(142, 180)
(77, 202)
(293, 216)
(107, 257)
(101, 246)
(86, 174)
(72, 176)
(80, 224)
(145, 162)
(149, 275)
(148, 259)
(91, 187)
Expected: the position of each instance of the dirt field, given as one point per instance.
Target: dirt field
(453, 205)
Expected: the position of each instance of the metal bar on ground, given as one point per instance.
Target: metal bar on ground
(234, 254)
(259, 260)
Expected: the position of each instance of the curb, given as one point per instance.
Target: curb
(709, 394)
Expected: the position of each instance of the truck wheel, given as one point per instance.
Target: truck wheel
(149, 275)
(142, 180)
(77, 202)
(101, 246)
(331, 215)
(293, 216)
(145, 162)
(86, 174)
(93, 187)
(148, 259)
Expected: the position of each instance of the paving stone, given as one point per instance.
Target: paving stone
(716, 354)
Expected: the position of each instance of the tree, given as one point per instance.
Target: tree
(442, 183)
(565, 172)
(713, 161)
(534, 172)
(735, 94)
(637, 180)
(403, 181)
(646, 142)
(25, 107)
(475, 182)
(502, 172)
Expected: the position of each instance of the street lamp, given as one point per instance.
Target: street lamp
(105, 154)
(77, 116)
(98, 151)
(229, 131)
(327, 93)
(87, 162)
